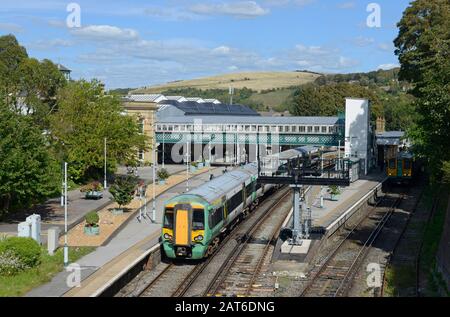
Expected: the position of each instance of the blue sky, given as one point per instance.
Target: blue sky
(134, 43)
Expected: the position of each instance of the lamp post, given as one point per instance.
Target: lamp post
(187, 166)
(66, 248)
(104, 182)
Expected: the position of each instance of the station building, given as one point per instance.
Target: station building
(211, 131)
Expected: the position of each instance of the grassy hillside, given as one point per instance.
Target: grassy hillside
(257, 81)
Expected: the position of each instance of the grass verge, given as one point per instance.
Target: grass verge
(25, 281)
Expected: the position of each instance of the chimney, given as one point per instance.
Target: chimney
(381, 124)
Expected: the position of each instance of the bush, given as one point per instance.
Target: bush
(26, 250)
(94, 186)
(163, 174)
(123, 190)
(10, 264)
(92, 219)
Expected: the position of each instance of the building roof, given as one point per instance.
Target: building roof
(208, 119)
(63, 68)
(146, 98)
(199, 100)
(390, 138)
(212, 101)
(209, 108)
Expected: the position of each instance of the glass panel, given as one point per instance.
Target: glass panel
(198, 220)
(168, 219)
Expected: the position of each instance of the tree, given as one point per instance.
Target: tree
(28, 174)
(329, 100)
(423, 48)
(27, 85)
(123, 190)
(85, 117)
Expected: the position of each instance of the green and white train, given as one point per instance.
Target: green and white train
(195, 222)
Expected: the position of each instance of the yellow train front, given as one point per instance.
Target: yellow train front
(400, 169)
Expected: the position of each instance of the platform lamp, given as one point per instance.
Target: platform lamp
(66, 248)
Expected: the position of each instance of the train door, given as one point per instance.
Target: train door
(182, 225)
(400, 167)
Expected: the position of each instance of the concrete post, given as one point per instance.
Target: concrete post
(53, 240)
(297, 232)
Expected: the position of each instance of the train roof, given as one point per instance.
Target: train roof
(221, 185)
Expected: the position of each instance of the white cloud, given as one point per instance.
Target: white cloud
(388, 66)
(51, 44)
(241, 9)
(362, 41)
(105, 32)
(347, 5)
(387, 47)
(11, 27)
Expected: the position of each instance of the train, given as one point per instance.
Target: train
(400, 169)
(195, 222)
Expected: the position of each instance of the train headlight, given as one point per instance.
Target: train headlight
(198, 238)
(167, 236)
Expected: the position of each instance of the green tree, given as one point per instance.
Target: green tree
(85, 116)
(28, 174)
(123, 190)
(423, 48)
(329, 100)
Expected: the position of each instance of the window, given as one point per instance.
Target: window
(310, 129)
(330, 129)
(302, 129)
(294, 129)
(142, 125)
(324, 129)
(215, 217)
(287, 128)
(141, 155)
(253, 128)
(280, 128)
(168, 218)
(316, 129)
(407, 164)
(234, 201)
(198, 219)
(392, 164)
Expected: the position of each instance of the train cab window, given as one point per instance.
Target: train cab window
(392, 164)
(407, 164)
(198, 219)
(168, 218)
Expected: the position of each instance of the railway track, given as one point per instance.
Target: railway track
(240, 274)
(176, 279)
(334, 275)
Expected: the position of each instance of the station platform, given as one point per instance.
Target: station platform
(327, 219)
(134, 240)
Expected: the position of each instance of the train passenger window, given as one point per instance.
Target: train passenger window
(407, 164)
(234, 202)
(168, 219)
(198, 219)
(215, 217)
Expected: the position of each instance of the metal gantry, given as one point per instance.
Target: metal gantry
(298, 173)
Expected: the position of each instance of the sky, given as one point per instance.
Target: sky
(136, 43)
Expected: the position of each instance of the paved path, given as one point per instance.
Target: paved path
(128, 237)
(52, 213)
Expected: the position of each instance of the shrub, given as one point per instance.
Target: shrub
(10, 264)
(92, 219)
(26, 250)
(334, 190)
(163, 174)
(123, 190)
(94, 186)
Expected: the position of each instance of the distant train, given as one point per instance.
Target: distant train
(400, 169)
(195, 222)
